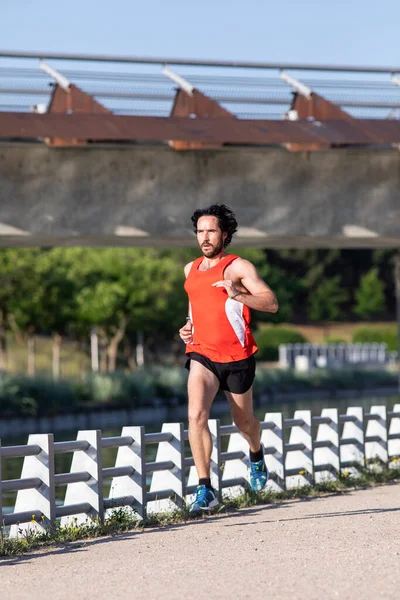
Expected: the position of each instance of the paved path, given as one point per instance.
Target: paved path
(345, 547)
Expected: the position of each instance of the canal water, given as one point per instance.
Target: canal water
(11, 467)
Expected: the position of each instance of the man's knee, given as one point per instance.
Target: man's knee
(198, 417)
(245, 423)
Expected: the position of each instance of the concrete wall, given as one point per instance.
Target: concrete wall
(144, 195)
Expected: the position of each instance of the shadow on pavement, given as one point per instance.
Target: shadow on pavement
(238, 514)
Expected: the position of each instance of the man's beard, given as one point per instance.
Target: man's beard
(213, 251)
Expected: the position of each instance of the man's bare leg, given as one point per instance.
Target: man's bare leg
(202, 387)
(243, 416)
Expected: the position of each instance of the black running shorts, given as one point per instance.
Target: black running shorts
(236, 377)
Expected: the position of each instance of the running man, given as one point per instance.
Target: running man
(222, 288)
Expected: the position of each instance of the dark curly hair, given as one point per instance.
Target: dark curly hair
(226, 219)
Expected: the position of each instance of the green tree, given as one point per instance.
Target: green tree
(285, 286)
(325, 301)
(128, 290)
(370, 295)
(16, 289)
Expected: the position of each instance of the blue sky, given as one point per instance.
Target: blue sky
(357, 32)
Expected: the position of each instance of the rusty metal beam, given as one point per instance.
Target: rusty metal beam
(67, 98)
(306, 104)
(316, 107)
(190, 102)
(114, 128)
(196, 105)
(68, 101)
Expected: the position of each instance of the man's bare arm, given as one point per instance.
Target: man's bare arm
(257, 294)
(185, 332)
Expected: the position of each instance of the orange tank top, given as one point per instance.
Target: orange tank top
(221, 329)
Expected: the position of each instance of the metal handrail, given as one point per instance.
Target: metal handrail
(225, 483)
(294, 447)
(264, 425)
(393, 414)
(326, 467)
(228, 429)
(296, 471)
(118, 471)
(65, 478)
(347, 419)
(372, 438)
(117, 442)
(72, 446)
(161, 495)
(19, 451)
(164, 465)
(15, 485)
(288, 423)
(22, 517)
(323, 444)
(226, 98)
(348, 441)
(155, 438)
(232, 455)
(110, 503)
(73, 509)
(371, 417)
(321, 420)
(197, 62)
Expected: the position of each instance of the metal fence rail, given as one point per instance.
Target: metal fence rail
(137, 86)
(314, 449)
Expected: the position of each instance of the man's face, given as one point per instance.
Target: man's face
(210, 237)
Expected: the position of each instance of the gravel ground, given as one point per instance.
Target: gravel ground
(339, 546)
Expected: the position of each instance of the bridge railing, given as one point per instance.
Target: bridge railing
(307, 356)
(299, 451)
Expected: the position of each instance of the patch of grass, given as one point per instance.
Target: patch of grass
(125, 519)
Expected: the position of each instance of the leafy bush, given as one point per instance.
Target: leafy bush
(268, 341)
(282, 380)
(133, 388)
(383, 335)
(170, 382)
(334, 340)
(28, 396)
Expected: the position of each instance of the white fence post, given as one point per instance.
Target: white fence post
(352, 453)
(327, 456)
(377, 448)
(173, 479)
(274, 454)
(300, 460)
(41, 498)
(238, 467)
(90, 491)
(394, 443)
(131, 486)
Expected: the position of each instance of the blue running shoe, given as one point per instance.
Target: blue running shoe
(204, 499)
(258, 475)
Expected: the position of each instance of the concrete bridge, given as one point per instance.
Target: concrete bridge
(144, 195)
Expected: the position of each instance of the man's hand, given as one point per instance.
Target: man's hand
(185, 333)
(228, 285)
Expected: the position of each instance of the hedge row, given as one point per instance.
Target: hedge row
(23, 396)
(269, 339)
